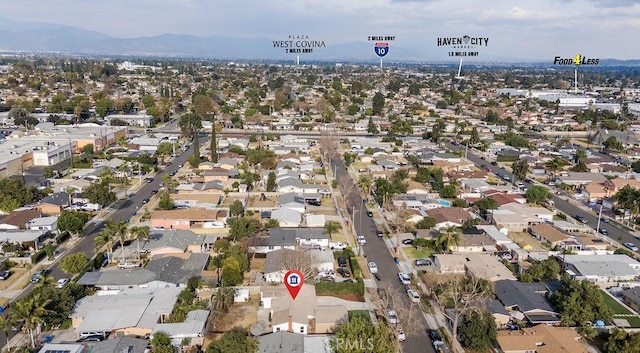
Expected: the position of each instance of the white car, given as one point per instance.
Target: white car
(337, 245)
(361, 240)
(404, 278)
(401, 336)
(373, 268)
(415, 297)
(62, 282)
(392, 316)
(631, 246)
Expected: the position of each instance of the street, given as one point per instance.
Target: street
(377, 251)
(561, 203)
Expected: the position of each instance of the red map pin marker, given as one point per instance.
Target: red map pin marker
(293, 280)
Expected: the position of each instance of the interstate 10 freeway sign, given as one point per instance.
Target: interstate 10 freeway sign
(381, 48)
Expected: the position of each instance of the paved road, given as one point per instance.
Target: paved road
(561, 203)
(376, 250)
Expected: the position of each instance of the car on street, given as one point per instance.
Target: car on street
(392, 316)
(343, 272)
(506, 177)
(370, 213)
(413, 295)
(62, 282)
(154, 191)
(605, 220)
(38, 276)
(148, 180)
(407, 241)
(5, 274)
(373, 268)
(631, 246)
(145, 200)
(582, 219)
(423, 262)
(362, 240)
(377, 276)
(379, 233)
(604, 231)
(401, 336)
(435, 336)
(404, 278)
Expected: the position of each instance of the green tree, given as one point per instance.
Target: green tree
(580, 302)
(486, 203)
(474, 137)
(271, 182)
(14, 193)
(536, 194)
(166, 202)
(190, 124)
(448, 238)
(371, 338)
(541, 271)
(580, 167)
(331, 227)
(448, 192)
(88, 149)
(478, 330)
(100, 193)
(520, 169)
(165, 149)
(371, 127)
(104, 106)
(426, 223)
(161, 343)
(31, 312)
(137, 234)
(236, 340)
(72, 221)
(104, 239)
(241, 228)
(378, 104)
(236, 208)
(621, 341)
(74, 263)
(48, 172)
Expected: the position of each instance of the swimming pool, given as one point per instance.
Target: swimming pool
(444, 203)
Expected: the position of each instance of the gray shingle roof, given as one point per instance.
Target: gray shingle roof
(173, 269)
(120, 344)
(526, 296)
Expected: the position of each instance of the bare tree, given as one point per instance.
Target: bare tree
(406, 311)
(466, 293)
(298, 260)
(329, 145)
(346, 185)
(398, 220)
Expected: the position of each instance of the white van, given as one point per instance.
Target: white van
(126, 264)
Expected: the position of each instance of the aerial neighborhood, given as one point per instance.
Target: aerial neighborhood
(159, 205)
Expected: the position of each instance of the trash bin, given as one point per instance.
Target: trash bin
(48, 339)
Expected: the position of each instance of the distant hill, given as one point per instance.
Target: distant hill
(55, 38)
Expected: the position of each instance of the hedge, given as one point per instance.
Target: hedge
(35, 258)
(62, 237)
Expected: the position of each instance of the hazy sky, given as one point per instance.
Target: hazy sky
(538, 29)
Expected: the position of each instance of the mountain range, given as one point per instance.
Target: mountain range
(40, 37)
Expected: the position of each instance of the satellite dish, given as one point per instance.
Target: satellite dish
(258, 328)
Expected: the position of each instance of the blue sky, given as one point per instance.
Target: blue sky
(538, 29)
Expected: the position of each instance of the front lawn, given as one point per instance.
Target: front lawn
(419, 254)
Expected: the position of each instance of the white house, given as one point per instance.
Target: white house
(287, 217)
(43, 223)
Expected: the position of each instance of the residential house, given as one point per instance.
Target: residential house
(196, 199)
(47, 224)
(287, 217)
(315, 220)
(122, 279)
(187, 218)
(548, 234)
(120, 344)
(193, 329)
(527, 301)
(510, 220)
(500, 314)
(27, 239)
(18, 219)
(178, 268)
(176, 241)
(295, 185)
(541, 339)
(292, 200)
(610, 268)
(631, 297)
(541, 213)
(580, 178)
(131, 311)
(449, 216)
(64, 347)
(306, 237)
(278, 262)
(53, 204)
(474, 242)
(480, 265)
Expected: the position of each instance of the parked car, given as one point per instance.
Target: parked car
(413, 295)
(5, 274)
(404, 278)
(62, 282)
(342, 262)
(392, 316)
(94, 338)
(379, 233)
(605, 220)
(423, 262)
(401, 336)
(377, 276)
(407, 241)
(38, 276)
(154, 191)
(435, 336)
(343, 272)
(373, 268)
(361, 240)
(582, 219)
(631, 246)
(370, 213)
(604, 231)
(127, 264)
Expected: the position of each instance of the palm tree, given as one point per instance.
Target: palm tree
(365, 184)
(138, 233)
(104, 239)
(31, 312)
(554, 165)
(449, 237)
(46, 281)
(120, 232)
(626, 198)
(331, 227)
(6, 324)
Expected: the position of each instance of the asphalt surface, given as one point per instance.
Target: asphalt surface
(122, 213)
(376, 250)
(561, 202)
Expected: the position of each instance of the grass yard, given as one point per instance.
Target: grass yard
(359, 313)
(633, 321)
(618, 309)
(419, 254)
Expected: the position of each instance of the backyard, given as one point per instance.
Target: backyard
(620, 311)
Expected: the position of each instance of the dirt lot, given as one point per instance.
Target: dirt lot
(229, 200)
(254, 201)
(239, 315)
